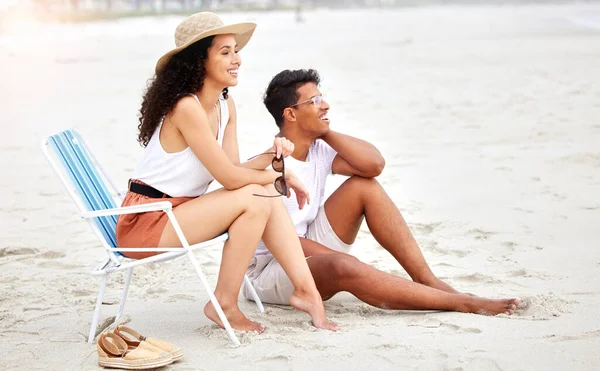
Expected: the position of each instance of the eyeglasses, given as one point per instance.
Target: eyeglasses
(317, 100)
(279, 183)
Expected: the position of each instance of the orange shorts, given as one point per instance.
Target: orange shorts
(143, 229)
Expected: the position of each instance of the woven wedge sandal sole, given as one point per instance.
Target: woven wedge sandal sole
(134, 365)
(177, 354)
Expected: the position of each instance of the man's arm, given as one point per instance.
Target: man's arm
(354, 156)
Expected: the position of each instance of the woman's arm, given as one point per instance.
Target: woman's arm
(191, 120)
(281, 147)
(230, 141)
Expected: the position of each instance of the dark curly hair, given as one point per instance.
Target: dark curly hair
(183, 74)
(282, 91)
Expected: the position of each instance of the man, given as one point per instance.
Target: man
(327, 232)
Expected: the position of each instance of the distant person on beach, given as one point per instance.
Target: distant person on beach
(188, 128)
(328, 229)
(298, 14)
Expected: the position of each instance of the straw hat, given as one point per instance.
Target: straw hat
(201, 25)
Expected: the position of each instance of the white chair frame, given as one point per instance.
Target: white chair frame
(117, 262)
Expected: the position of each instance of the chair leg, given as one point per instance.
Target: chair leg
(124, 294)
(255, 297)
(213, 299)
(97, 310)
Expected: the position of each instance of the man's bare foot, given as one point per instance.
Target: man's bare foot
(314, 307)
(236, 319)
(490, 307)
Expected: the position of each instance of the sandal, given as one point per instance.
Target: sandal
(114, 353)
(134, 339)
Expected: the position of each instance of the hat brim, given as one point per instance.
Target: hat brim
(241, 31)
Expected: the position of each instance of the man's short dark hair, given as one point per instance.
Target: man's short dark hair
(282, 90)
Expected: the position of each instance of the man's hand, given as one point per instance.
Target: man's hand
(302, 195)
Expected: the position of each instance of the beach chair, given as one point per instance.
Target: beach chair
(88, 185)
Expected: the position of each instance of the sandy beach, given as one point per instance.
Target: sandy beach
(489, 120)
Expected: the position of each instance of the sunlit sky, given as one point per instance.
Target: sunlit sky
(5, 3)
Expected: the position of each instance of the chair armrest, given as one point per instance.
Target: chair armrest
(154, 206)
(220, 238)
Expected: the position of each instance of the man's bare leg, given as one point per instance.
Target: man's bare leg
(335, 272)
(359, 198)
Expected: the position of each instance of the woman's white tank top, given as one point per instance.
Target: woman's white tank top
(178, 174)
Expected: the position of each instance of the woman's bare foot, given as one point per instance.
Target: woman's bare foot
(314, 307)
(236, 318)
(490, 307)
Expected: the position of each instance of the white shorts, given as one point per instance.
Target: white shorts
(268, 278)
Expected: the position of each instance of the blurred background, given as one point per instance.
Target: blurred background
(487, 112)
(73, 9)
(70, 10)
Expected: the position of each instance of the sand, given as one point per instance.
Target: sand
(488, 117)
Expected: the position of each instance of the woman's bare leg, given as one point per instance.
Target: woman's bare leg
(281, 239)
(244, 217)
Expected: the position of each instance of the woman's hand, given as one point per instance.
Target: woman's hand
(302, 195)
(282, 147)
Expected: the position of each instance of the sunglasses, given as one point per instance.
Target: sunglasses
(279, 183)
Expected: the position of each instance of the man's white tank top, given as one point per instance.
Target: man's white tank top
(178, 174)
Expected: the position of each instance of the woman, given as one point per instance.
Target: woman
(188, 126)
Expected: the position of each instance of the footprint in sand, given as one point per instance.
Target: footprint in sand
(428, 228)
(52, 255)
(444, 265)
(584, 336)
(83, 292)
(278, 361)
(541, 307)
(480, 234)
(530, 274)
(400, 348)
(51, 264)
(481, 364)
(510, 245)
(435, 323)
(356, 308)
(179, 297)
(596, 207)
(445, 251)
(7, 251)
(478, 277)
(157, 290)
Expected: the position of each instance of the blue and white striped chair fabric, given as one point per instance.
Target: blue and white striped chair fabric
(78, 164)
